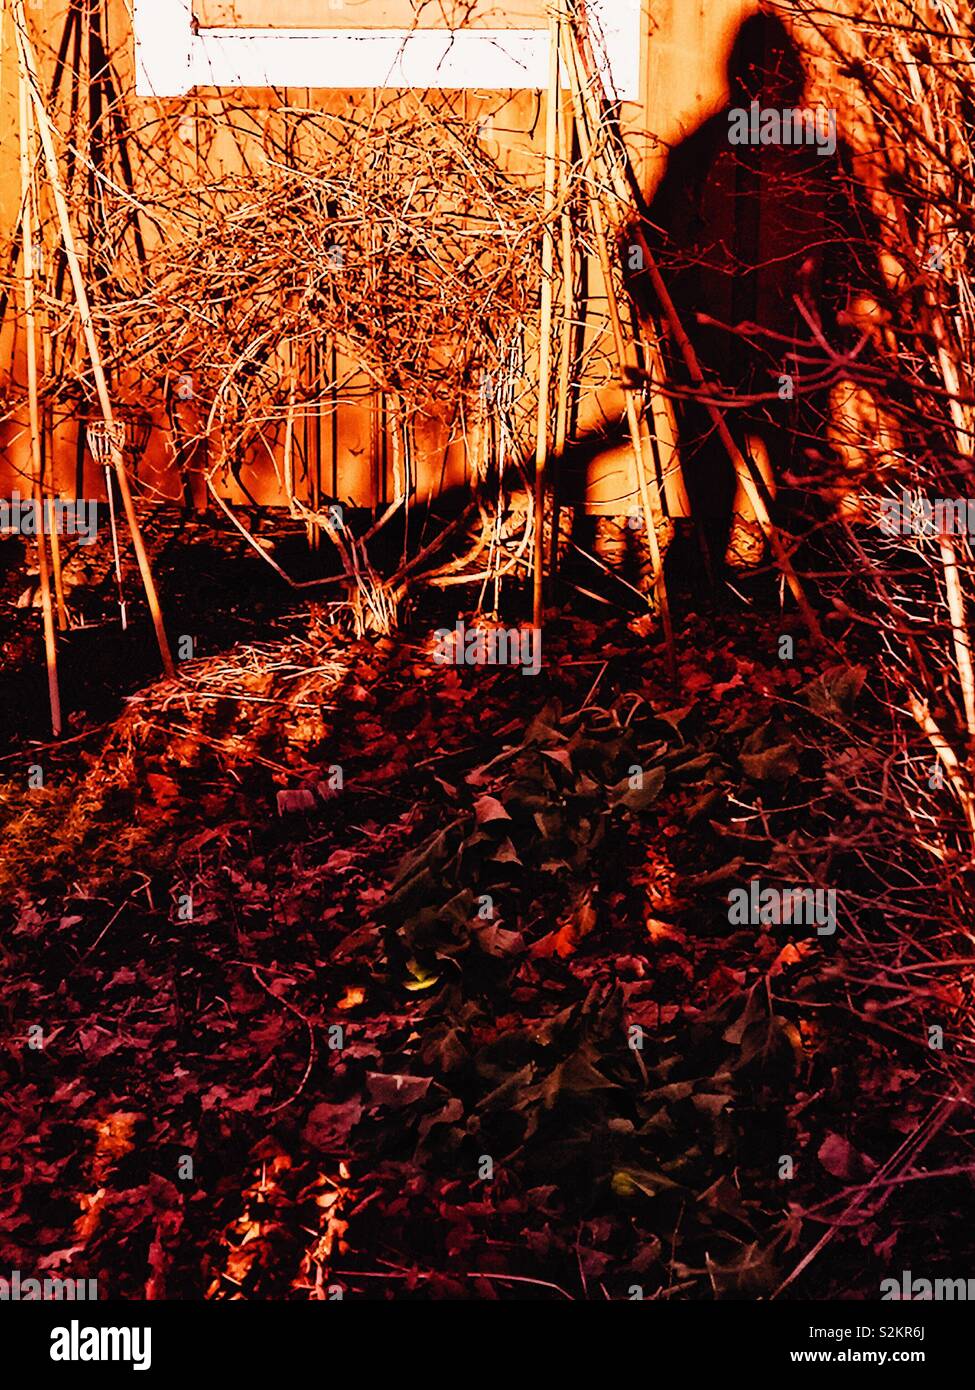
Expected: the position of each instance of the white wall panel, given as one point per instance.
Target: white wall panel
(174, 55)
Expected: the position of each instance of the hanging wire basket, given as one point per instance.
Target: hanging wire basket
(104, 439)
(129, 432)
(107, 441)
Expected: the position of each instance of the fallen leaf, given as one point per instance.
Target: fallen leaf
(396, 1090)
(488, 808)
(293, 801)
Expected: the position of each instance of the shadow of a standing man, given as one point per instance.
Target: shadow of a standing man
(757, 208)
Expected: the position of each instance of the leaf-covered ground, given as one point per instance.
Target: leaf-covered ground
(328, 968)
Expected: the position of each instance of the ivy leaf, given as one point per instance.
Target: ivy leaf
(575, 1077)
(836, 690)
(628, 1182)
(396, 1090)
(489, 808)
(422, 978)
(639, 798)
(775, 764)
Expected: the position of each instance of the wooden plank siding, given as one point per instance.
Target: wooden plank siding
(371, 14)
(684, 45)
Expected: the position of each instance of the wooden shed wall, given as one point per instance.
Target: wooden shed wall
(683, 47)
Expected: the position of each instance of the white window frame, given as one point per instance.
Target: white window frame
(173, 55)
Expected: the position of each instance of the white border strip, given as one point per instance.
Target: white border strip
(171, 59)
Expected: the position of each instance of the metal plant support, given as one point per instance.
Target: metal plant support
(106, 442)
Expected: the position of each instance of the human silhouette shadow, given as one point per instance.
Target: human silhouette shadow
(741, 232)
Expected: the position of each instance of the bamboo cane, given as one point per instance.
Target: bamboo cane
(745, 469)
(56, 565)
(959, 628)
(545, 316)
(965, 443)
(662, 412)
(116, 557)
(314, 474)
(26, 50)
(568, 312)
(662, 415)
(289, 463)
(624, 355)
(27, 232)
(47, 453)
(919, 709)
